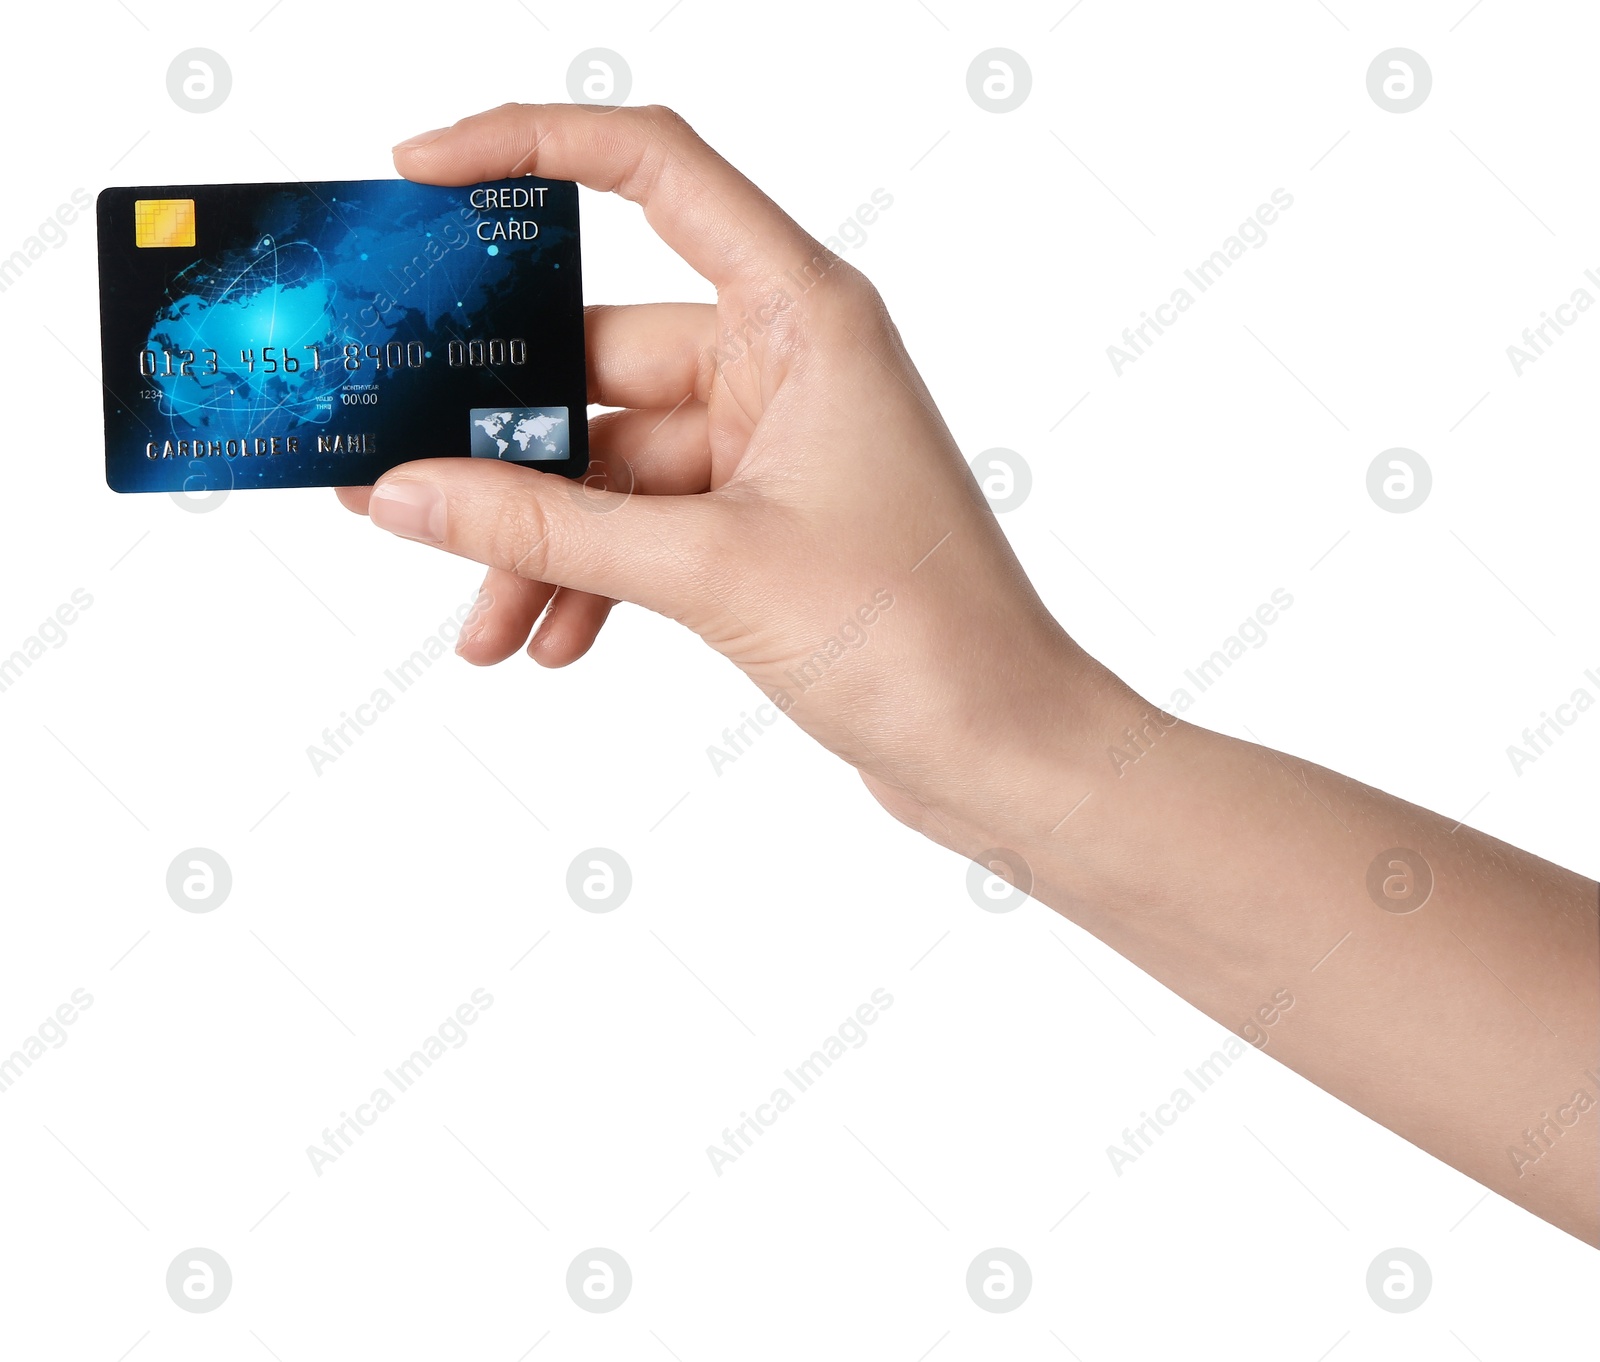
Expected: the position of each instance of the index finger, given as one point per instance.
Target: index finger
(708, 212)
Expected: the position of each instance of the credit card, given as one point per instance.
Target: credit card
(317, 334)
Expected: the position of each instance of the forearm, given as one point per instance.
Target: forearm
(1236, 875)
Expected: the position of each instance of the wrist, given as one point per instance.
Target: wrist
(1018, 762)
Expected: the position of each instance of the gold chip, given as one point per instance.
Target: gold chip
(163, 222)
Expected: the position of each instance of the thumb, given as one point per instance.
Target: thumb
(655, 551)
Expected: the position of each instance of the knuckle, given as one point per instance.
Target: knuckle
(511, 111)
(807, 309)
(843, 297)
(862, 295)
(519, 537)
(671, 137)
(725, 539)
(667, 120)
(849, 287)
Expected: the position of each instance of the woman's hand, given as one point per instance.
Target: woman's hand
(778, 480)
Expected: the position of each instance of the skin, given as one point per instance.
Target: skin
(727, 494)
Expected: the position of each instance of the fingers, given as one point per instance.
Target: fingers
(660, 453)
(569, 627)
(650, 354)
(650, 357)
(508, 607)
(702, 207)
(654, 550)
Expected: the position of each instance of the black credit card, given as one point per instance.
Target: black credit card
(317, 334)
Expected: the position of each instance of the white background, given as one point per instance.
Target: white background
(772, 899)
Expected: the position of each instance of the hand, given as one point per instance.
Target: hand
(778, 480)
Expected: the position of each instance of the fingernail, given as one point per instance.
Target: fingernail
(414, 510)
(421, 139)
